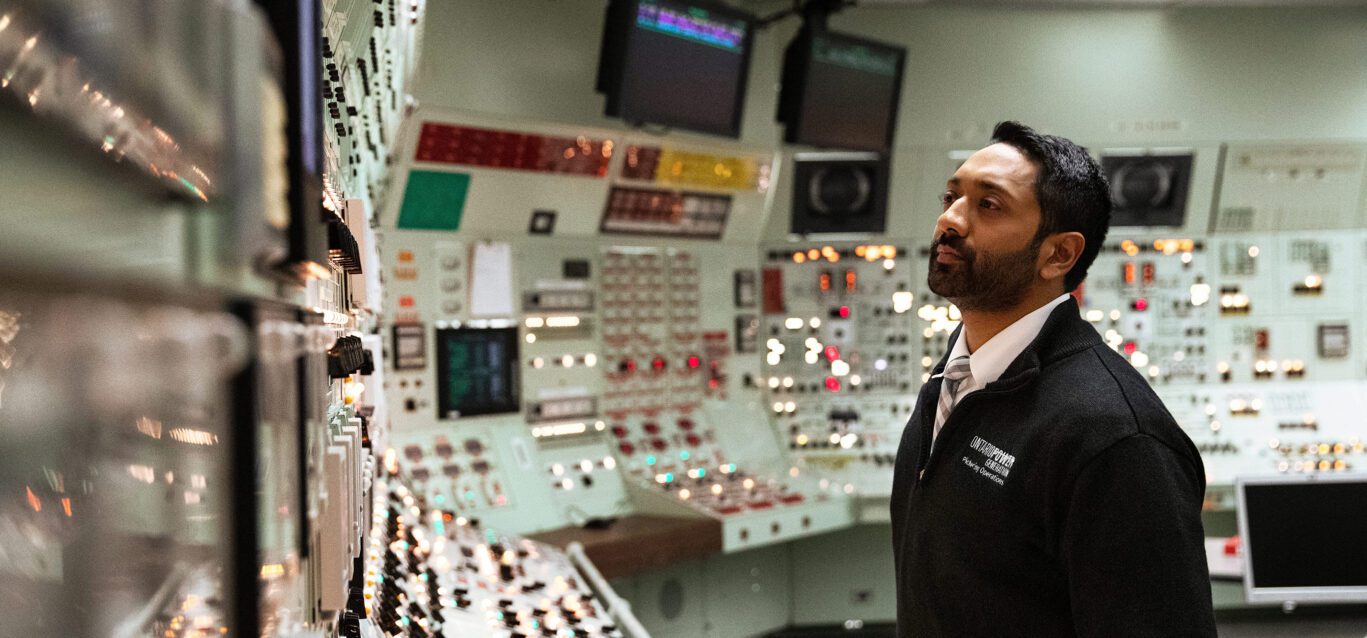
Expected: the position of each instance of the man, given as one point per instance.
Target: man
(1041, 488)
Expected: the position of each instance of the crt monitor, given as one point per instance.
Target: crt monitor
(840, 91)
(476, 372)
(1148, 191)
(1303, 538)
(678, 63)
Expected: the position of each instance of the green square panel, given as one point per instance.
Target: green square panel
(434, 200)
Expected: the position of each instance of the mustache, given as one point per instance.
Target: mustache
(953, 242)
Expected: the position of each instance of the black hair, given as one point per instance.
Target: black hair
(1072, 191)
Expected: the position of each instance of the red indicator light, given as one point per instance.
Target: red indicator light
(851, 280)
(1141, 304)
(833, 384)
(844, 312)
(406, 301)
(658, 364)
(832, 353)
(1130, 347)
(694, 361)
(626, 448)
(824, 281)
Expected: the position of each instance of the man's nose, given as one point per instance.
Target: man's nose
(953, 219)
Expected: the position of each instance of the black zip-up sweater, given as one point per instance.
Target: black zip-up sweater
(1060, 500)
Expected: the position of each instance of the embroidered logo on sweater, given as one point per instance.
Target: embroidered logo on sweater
(995, 464)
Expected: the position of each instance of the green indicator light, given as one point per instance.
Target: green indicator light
(701, 472)
(650, 460)
(669, 477)
(469, 496)
(683, 455)
(440, 498)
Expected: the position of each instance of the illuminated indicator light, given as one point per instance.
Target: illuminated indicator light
(788, 382)
(558, 469)
(538, 363)
(889, 264)
(683, 456)
(535, 322)
(833, 384)
(880, 365)
(702, 472)
(1141, 304)
(658, 364)
(748, 484)
(406, 301)
(802, 440)
(856, 379)
(773, 383)
(832, 353)
(799, 258)
(840, 368)
(716, 488)
(778, 407)
(562, 322)
(650, 460)
(66, 506)
(684, 494)
(859, 250)
(531, 338)
(1253, 252)
(1186, 258)
(1130, 348)
(815, 323)
(813, 254)
(590, 359)
(811, 357)
(609, 463)
(669, 477)
(694, 361)
(790, 407)
(567, 361)
(824, 281)
(851, 280)
(844, 312)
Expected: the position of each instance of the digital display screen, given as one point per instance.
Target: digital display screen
(849, 93)
(1307, 535)
(476, 372)
(683, 64)
(1148, 191)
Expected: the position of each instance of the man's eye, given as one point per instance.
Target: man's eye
(988, 204)
(947, 198)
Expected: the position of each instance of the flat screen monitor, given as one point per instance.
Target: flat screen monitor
(1303, 538)
(676, 63)
(840, 91)
(476, 372)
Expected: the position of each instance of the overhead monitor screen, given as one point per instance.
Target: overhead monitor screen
(1305, 540)
(476, 372)
(847, 90)
(680, 64)
(1148, 190)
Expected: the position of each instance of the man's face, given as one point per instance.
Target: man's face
(984, 255)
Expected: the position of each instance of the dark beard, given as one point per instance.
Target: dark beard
(988, 284)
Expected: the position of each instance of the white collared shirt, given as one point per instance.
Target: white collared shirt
(991, 359)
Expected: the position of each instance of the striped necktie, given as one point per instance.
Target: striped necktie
(955, 374)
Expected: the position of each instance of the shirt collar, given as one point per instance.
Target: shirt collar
(991, 359)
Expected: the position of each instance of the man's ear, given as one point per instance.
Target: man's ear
(1058, 254)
